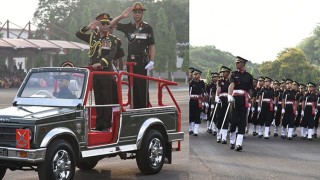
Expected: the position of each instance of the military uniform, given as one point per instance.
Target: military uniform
(316, 122)
(196, 90)
(255, 95)
(308, 111)
(243, 85)
(222, 96)
(288, 111)
(211, 91)
(102, 50)
(117, 61)
(298, 99)
(139, 39)
(279, 94)
(266, 109)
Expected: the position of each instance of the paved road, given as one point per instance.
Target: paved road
(260, 159)
(115, 168)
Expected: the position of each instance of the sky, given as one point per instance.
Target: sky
(253, 29)
(19, 12)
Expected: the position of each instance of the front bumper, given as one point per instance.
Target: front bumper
(23, 155)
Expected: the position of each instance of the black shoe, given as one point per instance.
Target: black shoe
(214, 133)
(289, 138)
(224, 142)
(275, 135)
(210, 131)
(218, 140)
(310, 139)
(195, 134)
(304, 138)
(283, 136)
(190, 132)
(254, 133)
(238, 148)
(232, 146)
(260, 136)
(295, 135)
(266, 137)
(315, 136)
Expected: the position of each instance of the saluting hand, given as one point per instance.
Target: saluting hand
(93, 25)
(127, 12)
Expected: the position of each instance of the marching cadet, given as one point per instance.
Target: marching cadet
(255, 105)
(222, 98)
(298, 100)
(249, 116)
(275, 86)
(288, 110)
(241, 85)
(279, 94)
(266, 107)
(308, 111)
(295, 86)
(317, 116)
(211, 91)
(196, 89)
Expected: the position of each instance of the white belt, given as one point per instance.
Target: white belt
(279, 102)
(194, 96)
(238, 91)
(318, 104)
(300, 103)
(266, 100)
(309, 103)
(223, 94)
(289, 102)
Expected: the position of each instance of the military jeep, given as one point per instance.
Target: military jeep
(55, 134)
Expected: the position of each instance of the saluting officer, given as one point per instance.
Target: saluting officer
(196, 90)
(288, 110)
(266, 107)
(141, 50)
(222, 99)
(279, 94)
(308, 111)
(254, 103)
(211, 91)
(103, 47)
(190, 77)
(241, 85)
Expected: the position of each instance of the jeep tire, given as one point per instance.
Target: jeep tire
(59, 162)
(3, 171)
(151, 155)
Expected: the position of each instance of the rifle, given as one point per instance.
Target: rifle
(285, 105)
(225, 116)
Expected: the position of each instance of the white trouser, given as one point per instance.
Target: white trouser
(260, 129)
(266, 131)
(232, 138)
(191, 126)
(224, 133)
(196, 128)
(310, 133)
(290, 132)
(239, 139)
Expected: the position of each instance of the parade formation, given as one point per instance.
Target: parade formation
(234, 99)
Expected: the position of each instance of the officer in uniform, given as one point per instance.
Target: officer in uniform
(288, 110)
(196, 90)
(254, 103)
(308, 111)
(266, 107)
(222, 99)
(316, 122)
(211, 91)
(141, 50)
(190, 76)
(103, 47)
(298, 104)
(279, 94)
(64, 91)
(255, 85)
(241, 85)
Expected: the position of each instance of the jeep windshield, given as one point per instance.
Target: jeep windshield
(53, 87)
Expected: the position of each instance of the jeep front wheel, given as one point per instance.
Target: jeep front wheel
(151, 155)
(59, 162)
(2, 172)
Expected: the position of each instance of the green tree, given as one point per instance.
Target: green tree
(172, 59)
(162, 40)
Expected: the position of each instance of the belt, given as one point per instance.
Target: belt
(133, 56)
(279, 102)
(289, 102)
(238, 92)
(318, 104)
(309, 103)
(266, 100)
(194, 96)
(223, 94)
(300, 104)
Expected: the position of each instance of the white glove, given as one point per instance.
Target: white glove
(283, 111)
(259, 109)
(149, 66)
(302, 113)
(252, 109)
(276, 108)
(217, 99)
(230, 98)
(206, 104)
